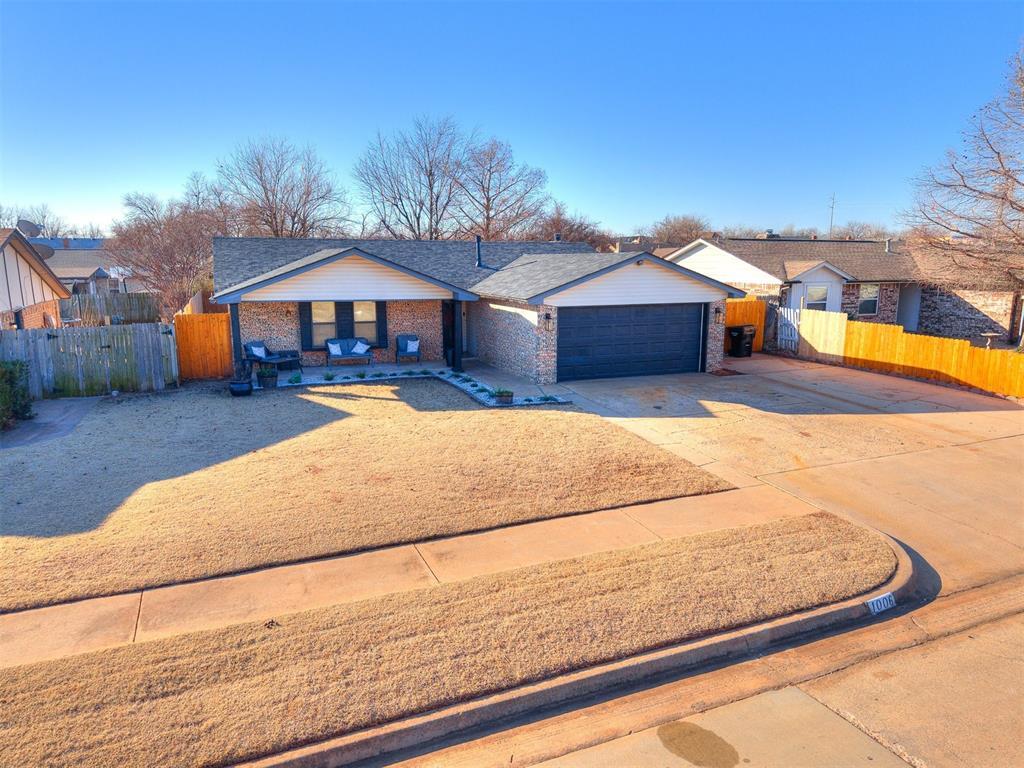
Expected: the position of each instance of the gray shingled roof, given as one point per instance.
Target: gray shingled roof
(865, 260)
(536, 273)
(238, 259)
(71, 262)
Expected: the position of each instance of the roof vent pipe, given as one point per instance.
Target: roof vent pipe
(479, 255)
(888, 245)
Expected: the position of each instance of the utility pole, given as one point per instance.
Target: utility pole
(831, 215)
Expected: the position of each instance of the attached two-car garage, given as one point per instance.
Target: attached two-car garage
(600, 315)
(630, 340)
(644, 317)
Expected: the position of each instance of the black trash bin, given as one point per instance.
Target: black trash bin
(741, 340)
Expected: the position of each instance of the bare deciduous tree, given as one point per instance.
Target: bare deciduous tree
(968, 220)
(679, 230)
(167, 246)
(279, 190)
(573, 227)
(500, 199)
(862, 230)
(410, 181)
(50, 224)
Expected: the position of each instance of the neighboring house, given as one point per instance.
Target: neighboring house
(27, 284)
(870, 280)
(84, 266)
(545, 310)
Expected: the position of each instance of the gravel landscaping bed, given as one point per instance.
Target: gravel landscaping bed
(463, 381)
(159, 489)
(214, 698)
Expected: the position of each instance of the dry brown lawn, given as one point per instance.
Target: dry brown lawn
(167, 488)
(217, 697)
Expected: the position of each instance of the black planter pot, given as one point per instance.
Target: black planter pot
(503, 399)
(240, 388)
(267, 382)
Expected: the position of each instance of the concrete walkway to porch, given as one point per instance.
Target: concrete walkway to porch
(88, 625)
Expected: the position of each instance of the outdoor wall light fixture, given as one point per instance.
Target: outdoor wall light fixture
(549, 324)
(719, 316)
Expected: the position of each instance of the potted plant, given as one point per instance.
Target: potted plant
(241, 385)
(503, 396)
(266, 375)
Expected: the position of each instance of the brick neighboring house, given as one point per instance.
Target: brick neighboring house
(29, 290)
(875, 281)
(544, 310)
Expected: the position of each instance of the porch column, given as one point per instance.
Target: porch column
(236, 339)
(457, 335)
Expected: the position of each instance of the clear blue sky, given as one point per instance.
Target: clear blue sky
(747, 114)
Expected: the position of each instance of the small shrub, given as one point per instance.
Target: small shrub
(425, 372)
(295, 378)
(330, 376)
(361, 375)
(377, 375)
(503, 392)
(548, 399)
(408, 373)
(527, 399)
(15, 402)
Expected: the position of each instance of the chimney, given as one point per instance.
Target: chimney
(67, 243)
(558, 237)
(814, 237)
(888, 245)
(479, 256)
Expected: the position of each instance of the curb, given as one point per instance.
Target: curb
(435, 725)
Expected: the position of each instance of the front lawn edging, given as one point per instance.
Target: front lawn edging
(624, 674)
(492, 398)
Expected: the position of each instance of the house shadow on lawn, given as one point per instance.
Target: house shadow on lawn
(74, 484)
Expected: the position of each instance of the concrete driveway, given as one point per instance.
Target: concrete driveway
(940, 469)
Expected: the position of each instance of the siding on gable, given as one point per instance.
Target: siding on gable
(819, 276)
(352, 278)
(648, 283)
(723, 266)
(20, 285)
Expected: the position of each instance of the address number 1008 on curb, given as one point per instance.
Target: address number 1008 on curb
(881, 603)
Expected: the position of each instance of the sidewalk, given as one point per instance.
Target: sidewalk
(876, 669)
(88, 625)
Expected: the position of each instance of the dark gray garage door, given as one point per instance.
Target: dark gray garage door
(634, 340)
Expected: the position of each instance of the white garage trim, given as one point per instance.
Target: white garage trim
(643, 280)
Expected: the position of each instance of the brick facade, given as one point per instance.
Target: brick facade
(888, 302)
(715, 340)
(516, 337)
(966, 314)
(277, 323)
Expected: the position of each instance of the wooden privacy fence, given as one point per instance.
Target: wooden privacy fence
(87, 309)
(204, 345)
(748, 311)
(831, 337)
(73, 362)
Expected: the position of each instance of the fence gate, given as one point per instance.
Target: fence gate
(77, 362)
(204, 345)
(788, 336)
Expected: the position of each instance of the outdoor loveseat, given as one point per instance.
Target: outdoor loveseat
(286, 359)
(343, 350)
